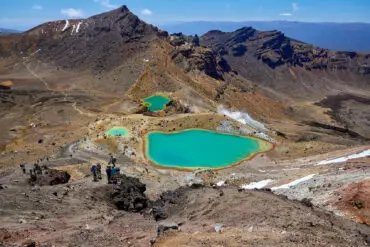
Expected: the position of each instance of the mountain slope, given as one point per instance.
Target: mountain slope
(273, 60)
(110, 46)
(101, 40)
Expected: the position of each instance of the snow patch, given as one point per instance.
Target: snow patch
(363, 154)
(73, 29)
(220, 183)
(78, 27)
(244, 118)
(65, 26)
(295, 182)
(256, 185)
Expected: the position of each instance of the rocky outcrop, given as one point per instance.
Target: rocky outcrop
(188, 55)
(166, 226)
(129, 195)
(175, 107)
(50, 177)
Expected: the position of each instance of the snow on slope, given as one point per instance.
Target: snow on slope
(293, 183)
(345, 158)
(66, 26)
(256, 185)
(78, 27)
(243, 118)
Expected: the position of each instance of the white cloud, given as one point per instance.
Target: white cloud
(295, 6)
(71, 12)
(106, 4)
(37, 7)
(146, 12)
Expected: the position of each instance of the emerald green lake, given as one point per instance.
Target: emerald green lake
(196, 148)
(117, 131)
(156, 102)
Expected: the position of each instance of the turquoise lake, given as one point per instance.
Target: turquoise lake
(196, 148)
(117, 131)
(156, 102)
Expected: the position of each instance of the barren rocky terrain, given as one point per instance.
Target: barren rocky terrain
(63, 84)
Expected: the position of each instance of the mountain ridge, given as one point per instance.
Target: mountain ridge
(329, 35)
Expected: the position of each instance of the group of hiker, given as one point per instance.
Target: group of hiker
(113, 172)
(36, 170)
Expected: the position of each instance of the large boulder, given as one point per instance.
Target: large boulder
(129, 195)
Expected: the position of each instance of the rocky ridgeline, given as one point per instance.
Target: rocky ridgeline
(275, 49)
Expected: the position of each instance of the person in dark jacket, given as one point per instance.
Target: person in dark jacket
(23, 167)
(94, 172)
(98, 170)
(112, 160)
(114, 175)
(109, 174)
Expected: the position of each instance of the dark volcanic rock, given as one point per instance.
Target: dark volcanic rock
(168, 201)
(158, 213)
(29, 243)
(2, 87)
(129, 195)
(166, 226)
(175, 107)
(50, 177)
(195, 58)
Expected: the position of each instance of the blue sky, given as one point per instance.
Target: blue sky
(24, 14)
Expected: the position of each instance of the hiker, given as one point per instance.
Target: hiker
(98, 170)
(114, 175)
(109, 174)
(37, 169)
(93, 171)
(33, 176)
(23, 167)
(112, 160)
(118, 175)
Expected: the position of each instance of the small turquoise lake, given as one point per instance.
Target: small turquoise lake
(156, 102)
(117, 131)
(196, 148)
